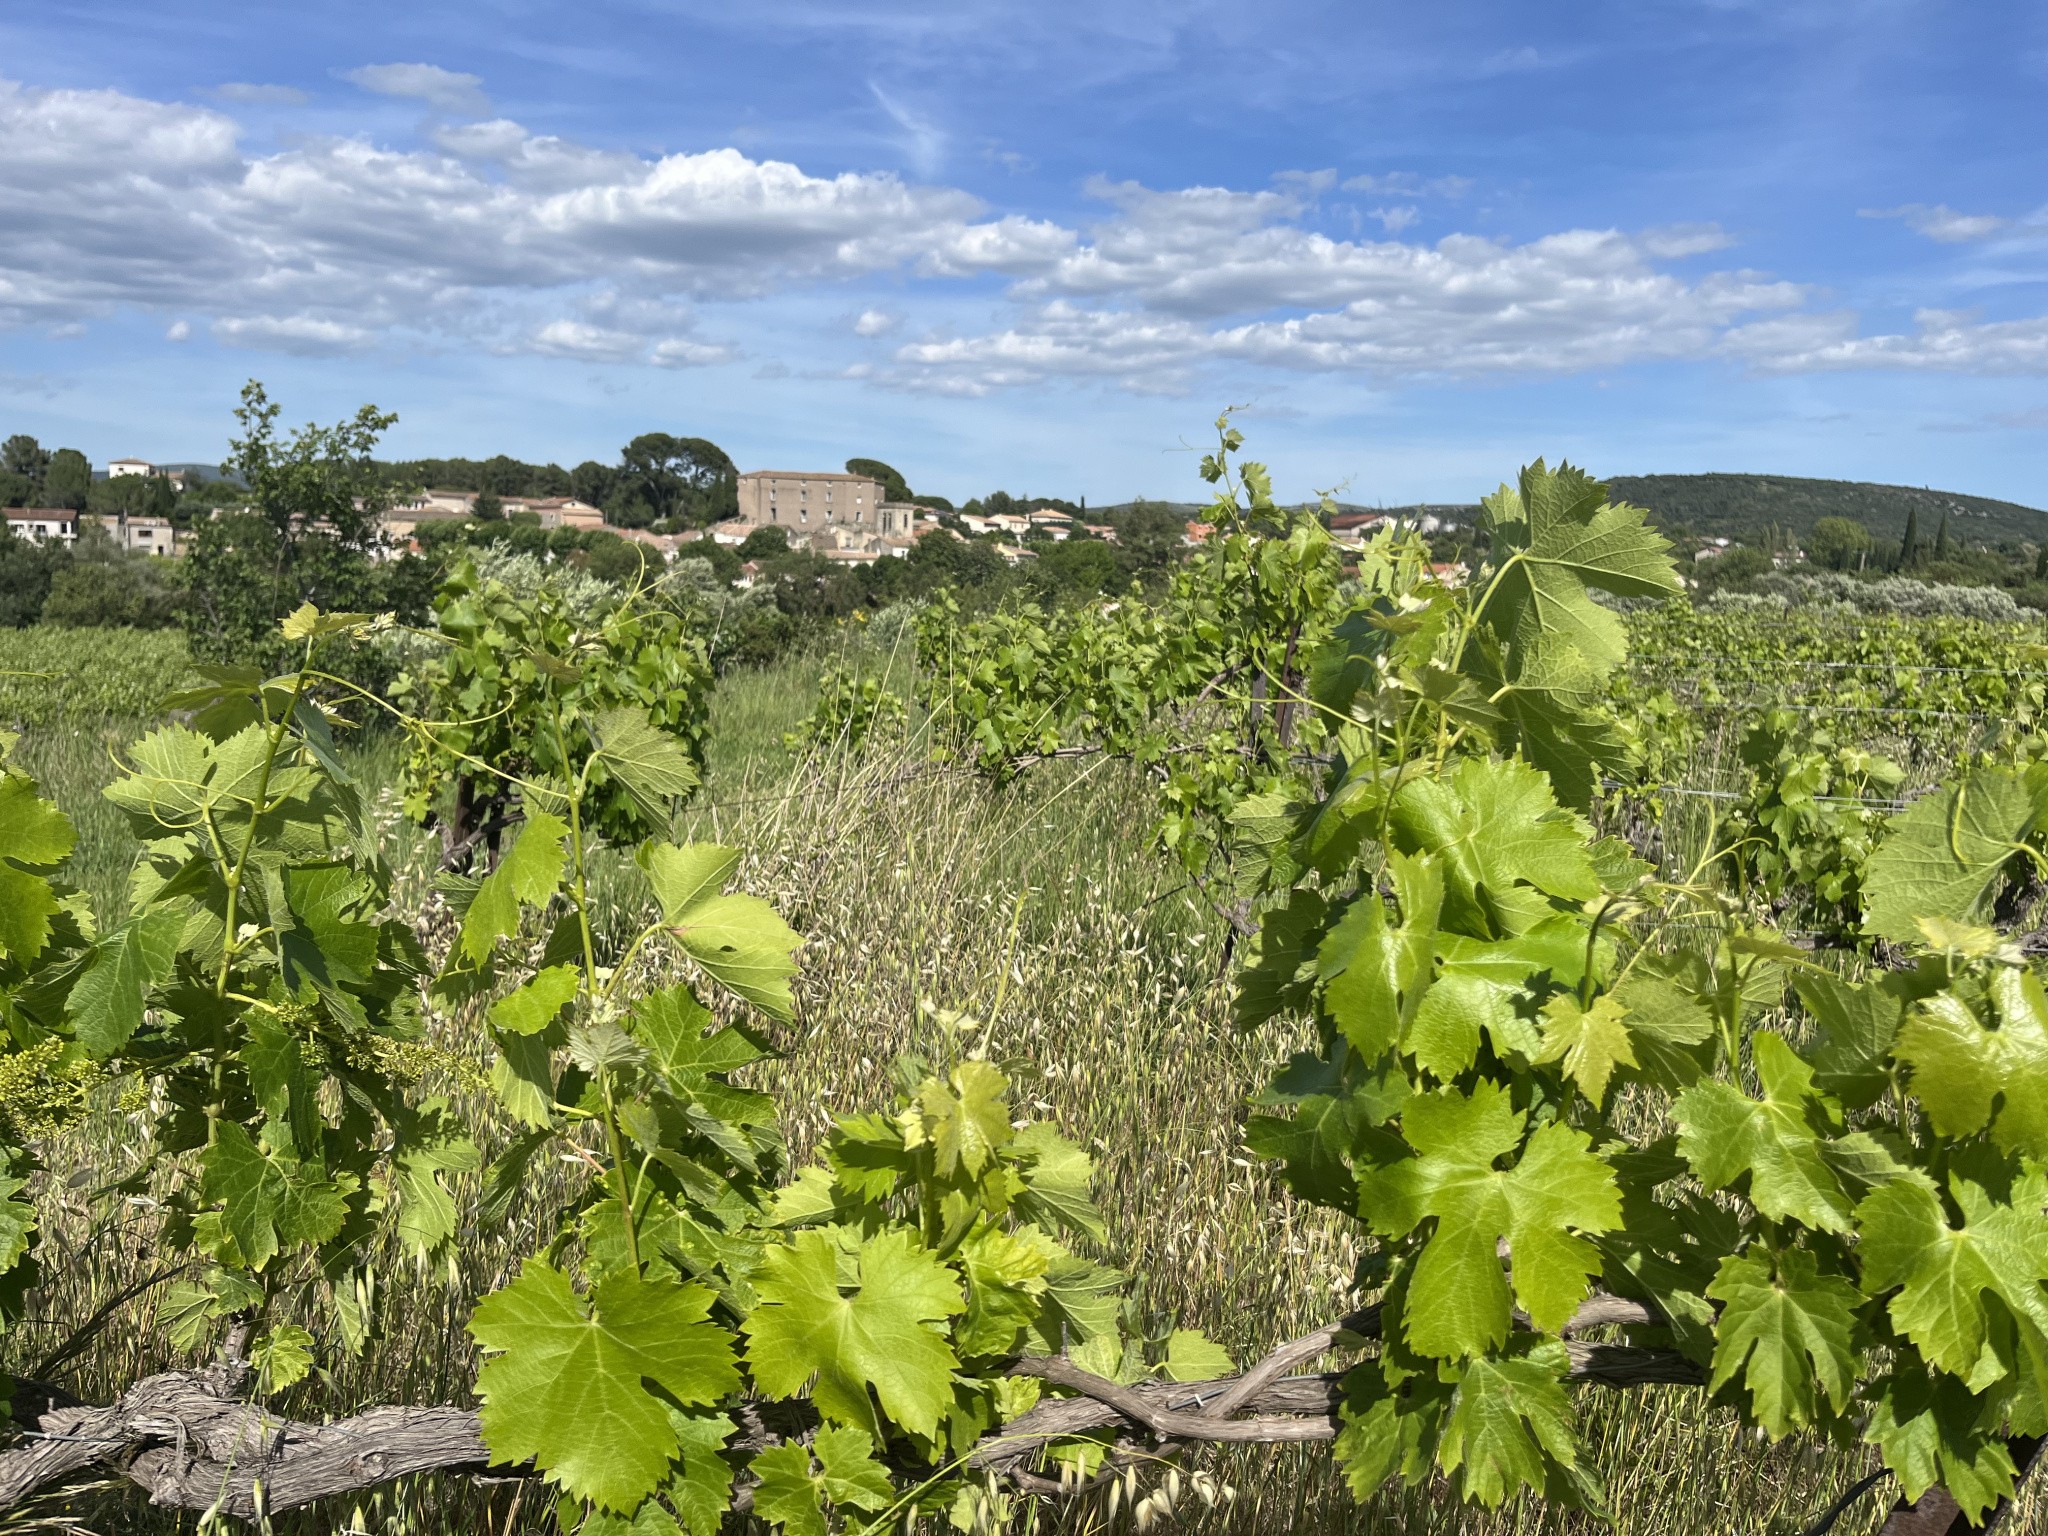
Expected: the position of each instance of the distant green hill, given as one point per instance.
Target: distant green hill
(1741, 507)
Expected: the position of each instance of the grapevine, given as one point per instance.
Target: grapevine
(1596, 1119)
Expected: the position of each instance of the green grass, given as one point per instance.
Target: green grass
(1040, 909)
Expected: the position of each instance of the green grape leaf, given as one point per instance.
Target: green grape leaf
(650, 763)
(568, 1385)
(965, 1119)
(1943, 854)
(1565, 536)
(529, 873)
(1557, 1191)
(523, 1078)
(106, 1004)
(787, 1494)
(307, 622)
(703, 1494)
(1005, 1277)
(1859, 1022)
(1786, 1333)
(809, 1198)
(1670, 1031)
(1336, 1111)
(1943, 1272)
(17, 1222)
(1503, 844)
(1192, 1355)
(1083, 1301)
(1726, 1135)
(876, 1338)
(683, 876)
(1491, 985)
(1961, 1069)
(537, 1004)
(797, 1496)
(1933, 1433)
(269, 1201)
(1591, 1042)
(1374, 974)
(283, 1358)
(1510, 1426)
(429, 1147)
(740, 941)
(35, 833)
(1388, 1429)
(1059, 1181)
(685, 1039)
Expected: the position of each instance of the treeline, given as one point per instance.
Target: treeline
(61, 478)
(299, 519)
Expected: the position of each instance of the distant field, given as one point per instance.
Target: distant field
(51, 675)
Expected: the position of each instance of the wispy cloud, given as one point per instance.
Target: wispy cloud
(1408, 184)
(451, 92)
(922, 140)
(1941, 222)
(241, 93)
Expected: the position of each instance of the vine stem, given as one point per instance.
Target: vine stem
(234, 876)
(579, 893)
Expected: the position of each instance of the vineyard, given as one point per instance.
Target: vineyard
(1523, 1055)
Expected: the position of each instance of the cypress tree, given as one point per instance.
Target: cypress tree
(1941, 538)
(1909, 546)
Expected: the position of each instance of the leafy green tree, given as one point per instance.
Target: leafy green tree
(624, 561)
(1149, 538)
(23, 455)
(894, 486)
(765, 543)
(68, 481)
(103, 586)
(16, 490)
(132, 496)
(314, 498)
(685, 481)
(1839, 543)
(940, 560)
(1077, 569)
(487, 507)
(27, 567)
(593, 482)
(506, 476)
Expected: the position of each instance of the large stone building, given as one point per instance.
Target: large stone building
(806, 503)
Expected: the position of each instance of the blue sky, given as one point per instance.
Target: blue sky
(1039, 246)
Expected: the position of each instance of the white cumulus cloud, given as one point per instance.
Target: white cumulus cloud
(485, 235)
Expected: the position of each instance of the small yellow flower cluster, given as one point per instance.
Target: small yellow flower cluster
(40, 1093)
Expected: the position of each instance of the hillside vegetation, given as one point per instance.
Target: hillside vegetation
(1743, 507)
